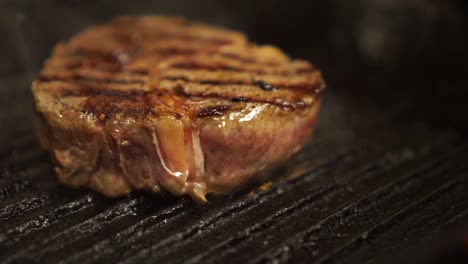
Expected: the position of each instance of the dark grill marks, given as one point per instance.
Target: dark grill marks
(218, 110)
(286, 100)
(209, 82)
(222, 67)
(137, 56)
(99, 88)
(244, 59)
(100, 93)
(225, 63)
(264, 86)
(239, 99)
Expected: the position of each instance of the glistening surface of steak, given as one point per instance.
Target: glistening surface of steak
(158, 103)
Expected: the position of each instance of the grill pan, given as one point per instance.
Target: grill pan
(383, 180)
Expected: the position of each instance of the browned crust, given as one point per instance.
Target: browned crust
(119, 65)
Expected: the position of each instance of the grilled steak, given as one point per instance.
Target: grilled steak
(158, 103)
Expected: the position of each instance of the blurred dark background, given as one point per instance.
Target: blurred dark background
(389, 51)
(383, 53)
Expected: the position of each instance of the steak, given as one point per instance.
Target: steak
(162, 104)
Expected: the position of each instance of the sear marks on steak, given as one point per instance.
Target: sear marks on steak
(158, 103)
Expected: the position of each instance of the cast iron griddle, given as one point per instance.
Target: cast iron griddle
(372, 182)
